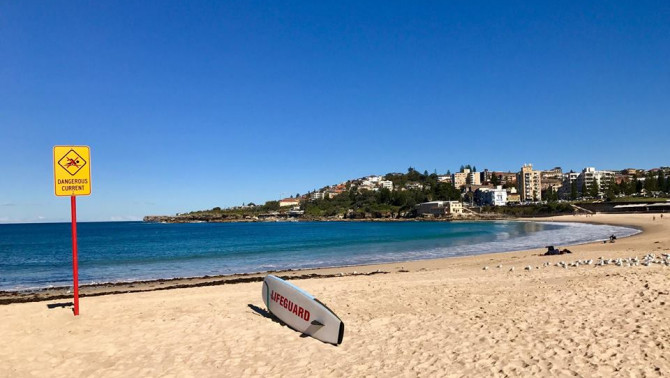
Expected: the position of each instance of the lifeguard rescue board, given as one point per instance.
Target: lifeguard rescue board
(301, 310)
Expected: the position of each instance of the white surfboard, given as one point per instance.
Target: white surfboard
(301, 311)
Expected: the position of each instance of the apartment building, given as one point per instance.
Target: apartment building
(461, 178)
(566, 187)
(474, 178)
(590, 177)
(529, 183)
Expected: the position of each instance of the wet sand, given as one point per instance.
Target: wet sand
(447, 317)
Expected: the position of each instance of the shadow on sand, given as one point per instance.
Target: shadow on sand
(268, 315)
(265, 314)
(61, 305)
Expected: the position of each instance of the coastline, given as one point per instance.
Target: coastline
(446, 317)
(141, 285)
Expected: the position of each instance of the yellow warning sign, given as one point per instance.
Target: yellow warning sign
(72, 170)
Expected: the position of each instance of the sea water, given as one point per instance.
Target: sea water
(40, 255)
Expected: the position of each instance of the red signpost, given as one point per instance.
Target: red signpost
(72, 177)
(75, 269)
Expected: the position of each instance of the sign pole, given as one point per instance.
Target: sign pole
(72, 178)
(75, 273)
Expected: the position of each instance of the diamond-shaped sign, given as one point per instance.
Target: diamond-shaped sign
(72, 162)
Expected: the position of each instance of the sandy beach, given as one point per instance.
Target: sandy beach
(448, 317)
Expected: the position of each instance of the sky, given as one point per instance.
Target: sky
(190, 105)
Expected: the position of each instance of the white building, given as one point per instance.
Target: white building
(317, 195)
(590, 177)
(444, 178)
(491, 197)
(373, 180)
(414, 185)
(386, 184)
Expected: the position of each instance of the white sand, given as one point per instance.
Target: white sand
(442, 318)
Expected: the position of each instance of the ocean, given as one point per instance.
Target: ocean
(36, 256)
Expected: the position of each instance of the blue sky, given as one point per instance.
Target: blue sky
(191, 105)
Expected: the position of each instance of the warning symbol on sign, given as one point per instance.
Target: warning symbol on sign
(72, 162)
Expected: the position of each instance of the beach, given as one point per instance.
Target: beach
(456, 317)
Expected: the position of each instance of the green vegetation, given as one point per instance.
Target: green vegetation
(551, 208)
(385, 203)
(651, 183)
(414, 187)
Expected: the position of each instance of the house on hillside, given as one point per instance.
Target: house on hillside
(289, 202)
(440, 208)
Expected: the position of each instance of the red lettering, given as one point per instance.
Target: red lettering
(294, 308)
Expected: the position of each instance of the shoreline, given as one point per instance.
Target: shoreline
(462, 316)
(139, 286)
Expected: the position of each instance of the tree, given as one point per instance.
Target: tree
(583, 191)
(638, 186)
(474, 168)
(448, 172)
(412, 175)
(462, 168)
(650, 182)
(660, 181)
(495, 180)
(550, 195)
(573, 190)
(631, 186)
(610, 194)
(594, 190)
(384, 196)
(271, 205)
